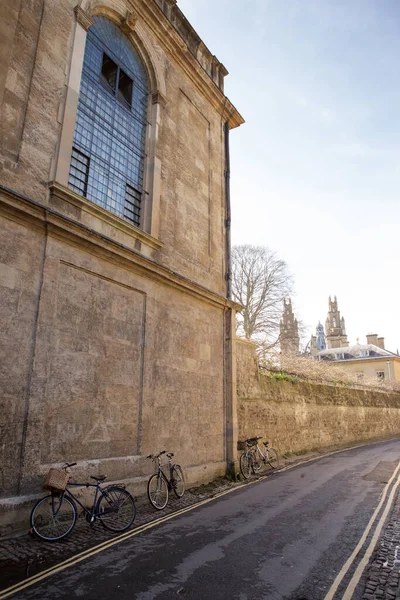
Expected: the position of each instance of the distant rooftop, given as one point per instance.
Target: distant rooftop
(359, 351)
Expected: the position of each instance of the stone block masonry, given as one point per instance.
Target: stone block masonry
(298, 417)
(116, 338)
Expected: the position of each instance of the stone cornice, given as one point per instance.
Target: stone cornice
(179, 53)
(20, 208)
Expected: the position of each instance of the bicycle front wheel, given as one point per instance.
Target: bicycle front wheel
(245, 465)
(53, 517)
(178, 481)
(273, 458)
(157, 491)
(116, 508)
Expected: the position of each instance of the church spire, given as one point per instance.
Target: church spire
(335, 327)
(289, 330)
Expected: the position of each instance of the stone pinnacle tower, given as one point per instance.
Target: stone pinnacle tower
(335, 327)
(289, 330)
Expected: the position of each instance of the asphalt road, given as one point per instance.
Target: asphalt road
(286, 537)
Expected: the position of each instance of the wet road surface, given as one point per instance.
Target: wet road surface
(285, 537)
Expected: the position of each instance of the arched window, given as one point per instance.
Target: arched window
(109, 139)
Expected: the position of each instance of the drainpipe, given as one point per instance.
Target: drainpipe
(227, 175)
(231, 427)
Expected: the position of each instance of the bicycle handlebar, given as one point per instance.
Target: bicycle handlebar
(153, 456)
(67, 465)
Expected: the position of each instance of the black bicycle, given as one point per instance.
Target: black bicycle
(159, 484)
(54, 516)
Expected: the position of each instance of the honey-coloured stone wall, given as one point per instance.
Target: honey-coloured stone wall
(117, 340)
(298, 417)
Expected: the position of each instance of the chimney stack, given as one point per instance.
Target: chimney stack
(372, 338)
(381, 342)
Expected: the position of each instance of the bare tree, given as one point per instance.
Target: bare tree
(260, 282)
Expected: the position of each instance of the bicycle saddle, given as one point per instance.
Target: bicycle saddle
(98, 477)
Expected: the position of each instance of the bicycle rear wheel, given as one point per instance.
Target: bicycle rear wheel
(178, 481)
(53, 517)
(245, 465)
(116, 508)
(257, 463)
(273, 458)
(157, 491)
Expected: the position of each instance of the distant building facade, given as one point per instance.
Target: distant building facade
(366, 361)
(289, 330)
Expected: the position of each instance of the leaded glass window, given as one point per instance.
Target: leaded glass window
(109, 138)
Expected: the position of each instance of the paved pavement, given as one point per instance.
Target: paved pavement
(24, 555)
(286, 537)
(382, 576)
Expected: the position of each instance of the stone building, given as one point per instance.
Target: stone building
(335, 327)
(289, 338)
(116, 319)
(368, 361)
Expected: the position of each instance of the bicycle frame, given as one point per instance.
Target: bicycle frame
(264, 457)
(67, 492)
(163, 475)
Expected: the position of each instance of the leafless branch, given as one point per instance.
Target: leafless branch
(260, 282)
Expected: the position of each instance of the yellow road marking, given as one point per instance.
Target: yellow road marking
(363, 563)
(73, 560)
(105, 545)
(364, 536)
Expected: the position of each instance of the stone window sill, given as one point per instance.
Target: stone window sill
(84, 211)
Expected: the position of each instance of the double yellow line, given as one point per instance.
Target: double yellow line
(104, 546)
(125, 536)
(348, 594)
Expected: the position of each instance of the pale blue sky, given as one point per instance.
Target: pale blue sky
(316, 167)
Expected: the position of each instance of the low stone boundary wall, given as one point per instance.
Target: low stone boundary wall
(298, 417)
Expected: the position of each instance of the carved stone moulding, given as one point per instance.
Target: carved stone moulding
(158, 98)
(83, 18)
(129, 23)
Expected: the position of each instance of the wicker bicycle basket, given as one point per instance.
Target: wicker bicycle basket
(56, 479)
(241, 445)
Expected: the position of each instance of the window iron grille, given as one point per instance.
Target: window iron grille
(79, 172)
(132, 205)
(109, 140)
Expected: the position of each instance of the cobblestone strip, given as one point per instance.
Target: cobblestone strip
(26, 555)
(383, 571)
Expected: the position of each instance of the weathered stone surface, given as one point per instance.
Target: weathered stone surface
(113, 338)
(298, 417)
